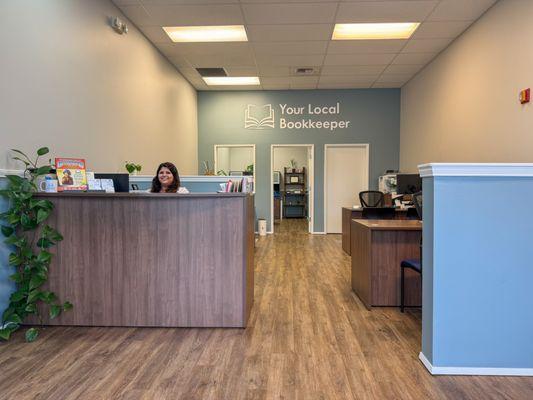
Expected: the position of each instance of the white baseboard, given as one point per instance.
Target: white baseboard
(319, 233)
(475, 370)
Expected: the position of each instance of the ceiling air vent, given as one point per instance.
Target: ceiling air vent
(209, 72)
(305, 71)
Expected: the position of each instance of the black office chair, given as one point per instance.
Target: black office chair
(412, 264)
(378, 213)
(371, 198)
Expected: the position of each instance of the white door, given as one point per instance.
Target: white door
(345, 175)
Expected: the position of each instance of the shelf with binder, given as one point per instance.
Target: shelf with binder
(294, 193)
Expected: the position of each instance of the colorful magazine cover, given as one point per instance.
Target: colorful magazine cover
(71, 174)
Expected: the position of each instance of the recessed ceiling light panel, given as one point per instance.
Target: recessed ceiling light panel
(231, 80)
(220, 33)
(370, 31)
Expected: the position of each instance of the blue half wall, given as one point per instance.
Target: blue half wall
(373, 115)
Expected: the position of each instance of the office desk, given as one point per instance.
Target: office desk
(162, 260)
(349, 213)
(378, 247)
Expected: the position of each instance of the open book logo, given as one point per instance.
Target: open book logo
(259, 117)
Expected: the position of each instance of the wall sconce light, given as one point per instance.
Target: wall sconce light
(118, 25)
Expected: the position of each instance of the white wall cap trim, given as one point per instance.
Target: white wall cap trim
(475, 370)
(145, 178)
(476, 169)
(4, 172)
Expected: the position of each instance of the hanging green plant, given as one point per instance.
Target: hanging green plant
(31, 239)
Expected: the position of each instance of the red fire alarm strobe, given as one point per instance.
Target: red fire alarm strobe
(525, 96)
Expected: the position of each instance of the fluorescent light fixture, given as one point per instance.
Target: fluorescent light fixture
(395, 30)
(231, 80)
(222, 33)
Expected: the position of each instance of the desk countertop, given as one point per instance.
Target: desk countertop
(390, 224)
(142, 195)
(361, 209)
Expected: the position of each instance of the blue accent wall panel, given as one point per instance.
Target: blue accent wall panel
(482, 272)
(374, 116)
(427, 265)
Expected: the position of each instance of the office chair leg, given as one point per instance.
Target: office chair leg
(402, 284)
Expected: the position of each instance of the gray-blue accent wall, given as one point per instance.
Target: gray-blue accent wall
(374, 116)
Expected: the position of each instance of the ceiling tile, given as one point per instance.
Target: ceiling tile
(394, 78)
(276, 81)
(385, 11)
(403, 69)
(440, 29)
(352, 69)
(358, 59)
(138, 15)
(276, 86)
(281, 33)
(207, 14)
(179, 61)
(293, 13)
(363, 79)
(241, 71)
(155, 34)
(126, 2)
(426, 45)
(289, 61)
(290, 48)
(343, 86)
(221, 60)
(303, 80)
(387, 85)
(460, 10)
(187, 49)
(182, 2)
(269, 71)
(414, 58)
(365, 46)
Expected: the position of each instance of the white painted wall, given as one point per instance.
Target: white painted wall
(283, 156)
(68, 81)
(464, 106)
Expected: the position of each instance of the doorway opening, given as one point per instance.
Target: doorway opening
(345, 175)
(291, 187)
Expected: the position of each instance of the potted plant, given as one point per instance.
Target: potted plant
(133, 168)
(293, 164)
(25, 229)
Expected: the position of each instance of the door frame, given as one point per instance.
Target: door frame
(311, 181)
(365, 146)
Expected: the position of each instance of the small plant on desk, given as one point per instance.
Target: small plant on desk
(31, 239)
(133, 168)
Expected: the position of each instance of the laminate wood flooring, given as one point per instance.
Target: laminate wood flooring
(308, 338)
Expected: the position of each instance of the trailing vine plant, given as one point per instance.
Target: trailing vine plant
(31, 239)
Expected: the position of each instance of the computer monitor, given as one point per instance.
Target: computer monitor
(408, 183)
(120, 181)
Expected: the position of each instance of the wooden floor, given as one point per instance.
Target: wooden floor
(309, 338)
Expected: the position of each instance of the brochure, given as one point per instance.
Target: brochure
(71, 174)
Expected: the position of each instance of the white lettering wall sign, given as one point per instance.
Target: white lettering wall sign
(294, 117)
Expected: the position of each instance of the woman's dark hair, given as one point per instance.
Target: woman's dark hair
(174, 186)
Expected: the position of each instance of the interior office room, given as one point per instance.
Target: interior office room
(291, 200)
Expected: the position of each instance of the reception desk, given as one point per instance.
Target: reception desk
(161, 260)
(349, 213)
(378, 248)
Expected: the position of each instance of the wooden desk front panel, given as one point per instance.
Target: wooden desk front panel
(348, 214)
(376, 258)
(388, 250)
(184, 262)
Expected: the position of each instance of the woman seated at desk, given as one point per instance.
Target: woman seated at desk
(167, 180)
